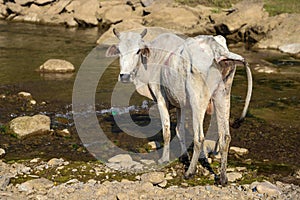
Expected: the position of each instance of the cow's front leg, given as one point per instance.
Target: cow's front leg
(165, 120)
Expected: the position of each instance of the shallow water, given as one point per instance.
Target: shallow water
(271, 131)
(24, 47)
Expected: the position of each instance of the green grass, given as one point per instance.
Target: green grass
(210, 3)
(275, 7)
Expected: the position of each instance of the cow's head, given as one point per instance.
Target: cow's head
(132, 50)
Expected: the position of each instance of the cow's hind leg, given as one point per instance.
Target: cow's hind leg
(199, 98)
(198, 117)
(221, 104)
(180, 132)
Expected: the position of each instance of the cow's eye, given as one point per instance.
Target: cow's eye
(138, 51)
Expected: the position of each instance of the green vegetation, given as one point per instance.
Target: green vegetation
(275, 7)
(210, 3)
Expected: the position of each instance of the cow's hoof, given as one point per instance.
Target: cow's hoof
(185, 159)
(162, 161)
(217, 180)
(187, 176)
(223, 181)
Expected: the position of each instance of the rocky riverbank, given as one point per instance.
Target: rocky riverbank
(60, 179)
(247, 21)
(78, 176)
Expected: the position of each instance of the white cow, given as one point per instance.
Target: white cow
(195, 73)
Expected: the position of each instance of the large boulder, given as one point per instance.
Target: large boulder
(236, 20)
(73, 5)
(39, 185)
(43, 2)
(3, 11)
(58, 7)
(127, 25)
(109, 38)
(28, 126)
(176, 18)
(116, 14)
(57, 66)
(285, 36)
(24, 2)
(14, 8)
(86, 12)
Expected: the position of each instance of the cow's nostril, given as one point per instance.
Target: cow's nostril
(125, 77)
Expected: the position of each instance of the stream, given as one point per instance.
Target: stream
(271, 130)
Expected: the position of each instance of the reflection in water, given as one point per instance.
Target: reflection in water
(24, 47)
(272, 127)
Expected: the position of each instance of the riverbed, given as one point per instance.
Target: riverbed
(271, 130)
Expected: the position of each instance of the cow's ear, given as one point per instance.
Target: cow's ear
(112, 51)
(145, 51)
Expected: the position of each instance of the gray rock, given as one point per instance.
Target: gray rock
(268, 188)
(4, 181)
(58, 7)
(2, 152)
(153, 177)
(63, 133)
(24, 2)
(120, 158)
(70, 21)
(233, 176)
(35, 160)
(43, 2)
(147, 162)
(27, 126)
(163, 184)
(290, 48)
(239, 151)
(175, 18)
(154, 145)
(72, 6)
(25, 95)
(244, 13)
(265, 69)
(15, 8)
(85, 13)
(35, 184)
(146, 3)
(3, 11)
(116, 14)
(297, 174)
(57, 66)
(56, 162)
(283, 35)
(241, 169)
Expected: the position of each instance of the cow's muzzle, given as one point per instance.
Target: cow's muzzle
(125, 78)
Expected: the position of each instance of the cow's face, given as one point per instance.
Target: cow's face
(130, 50)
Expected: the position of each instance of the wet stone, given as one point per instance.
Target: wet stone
(57, 66)
(239, 151)
(24, 94)
(2, 152)
(63, 133)
(26, 125)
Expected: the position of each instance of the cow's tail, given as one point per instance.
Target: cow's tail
(238, 121)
